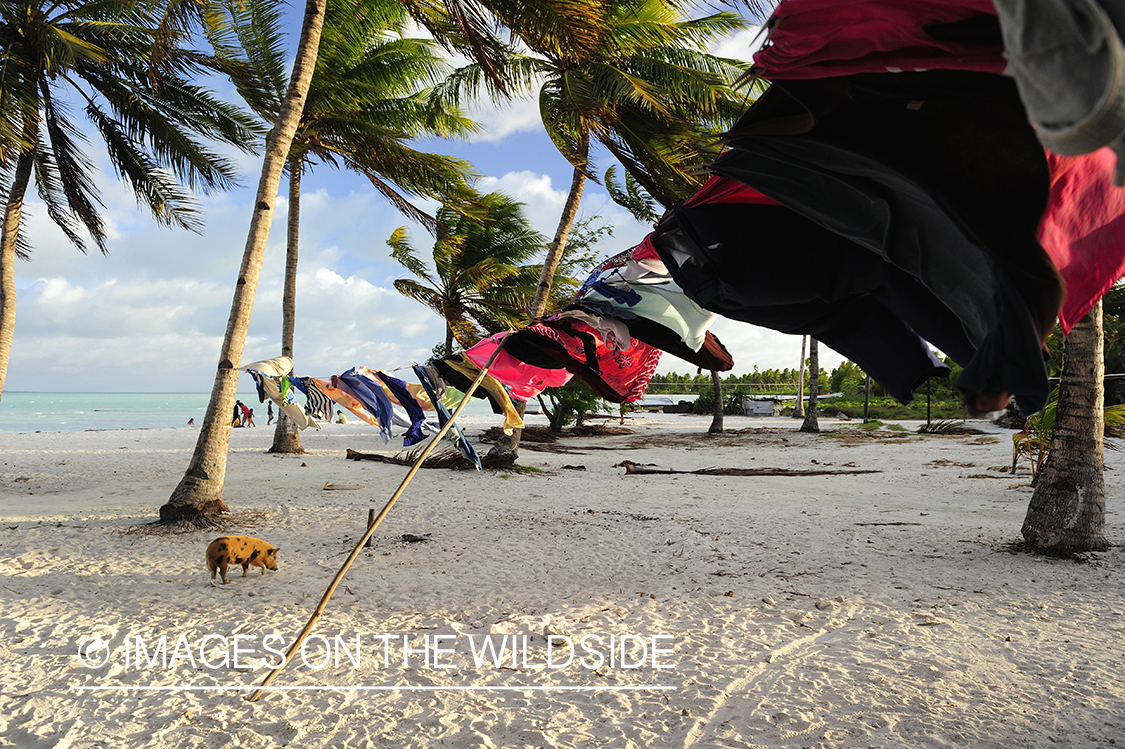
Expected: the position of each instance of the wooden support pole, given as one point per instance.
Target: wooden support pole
(370, 522)
(257, 695)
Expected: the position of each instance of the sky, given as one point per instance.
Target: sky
(150, 315)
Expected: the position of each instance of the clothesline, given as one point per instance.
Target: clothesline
(376, 397)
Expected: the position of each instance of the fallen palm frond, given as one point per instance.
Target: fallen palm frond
(445, 459)
(632, 468)
(329, 486)
(449, 459)
(947, 426)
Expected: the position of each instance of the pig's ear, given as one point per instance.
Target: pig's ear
(274, 550)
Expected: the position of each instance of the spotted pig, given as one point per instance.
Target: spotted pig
(244, 550)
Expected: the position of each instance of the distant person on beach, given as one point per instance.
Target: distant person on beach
(340, 418)
(191, 422)
(269, 413)
(245, 412)
(236, 419)
(250, 417)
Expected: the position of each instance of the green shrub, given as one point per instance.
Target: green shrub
(570, 400)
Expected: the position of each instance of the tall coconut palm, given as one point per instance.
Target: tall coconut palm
(717, 412)
(811, 424)
(1067, 509)
(466, 26)
(648, 94)
(97, 57)
(368, 99)
(198, 498)
(799, 407)
(480, 282)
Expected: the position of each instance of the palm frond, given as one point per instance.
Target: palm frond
(69, 172)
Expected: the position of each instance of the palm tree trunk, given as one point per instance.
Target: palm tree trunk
(799, 410)
(199, 495)
(717, 420)
(550, 265)
(810, 423)
(566, 222)
(13, 210)
(286, 436)
(1067, 510)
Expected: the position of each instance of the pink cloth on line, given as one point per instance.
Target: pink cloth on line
(1083, 229)
(523, 380)
(828, 38)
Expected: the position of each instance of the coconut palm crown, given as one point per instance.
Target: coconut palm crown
(65, 62)
(479, 282)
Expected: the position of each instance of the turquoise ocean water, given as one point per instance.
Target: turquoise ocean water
(79, 412)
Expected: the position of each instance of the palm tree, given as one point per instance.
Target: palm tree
(465, 26)
(198, 498)
(480, 282)
(646, 92)
(151, 118)
(1066, 514)
(717, 412)
(799, 408)
(810, 424)
(367, 100)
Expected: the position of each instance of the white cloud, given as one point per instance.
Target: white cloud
(739, 46)
(498, 120)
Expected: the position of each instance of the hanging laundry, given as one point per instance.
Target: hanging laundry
(636, 288)
(370, 394)
(275, 367)
(618, 375)
(949, 192)
(1083, 230)
(407, 401)
(268, 375)
(286, 403)
(456, 379)
(524, 380)
(318, 403)
(823, 38)
(468, 369)
(855, 302)
(415, 391)
(347, 400)
(454, 434)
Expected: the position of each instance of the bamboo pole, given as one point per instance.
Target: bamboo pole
(371, 528)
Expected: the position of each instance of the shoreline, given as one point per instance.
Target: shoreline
(886, 609)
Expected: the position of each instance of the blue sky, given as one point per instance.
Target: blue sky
(150, 316)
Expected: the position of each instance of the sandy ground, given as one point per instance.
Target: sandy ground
(886, 609)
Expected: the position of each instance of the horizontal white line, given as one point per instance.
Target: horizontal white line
(175, 688)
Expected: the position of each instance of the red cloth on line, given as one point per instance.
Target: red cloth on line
(826, 38)
(1083, 229)
(622, 375)
(723, 190)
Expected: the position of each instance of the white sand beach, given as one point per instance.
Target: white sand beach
(885, 609)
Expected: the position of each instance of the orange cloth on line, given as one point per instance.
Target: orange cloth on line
(512, 420)
(347, 401)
